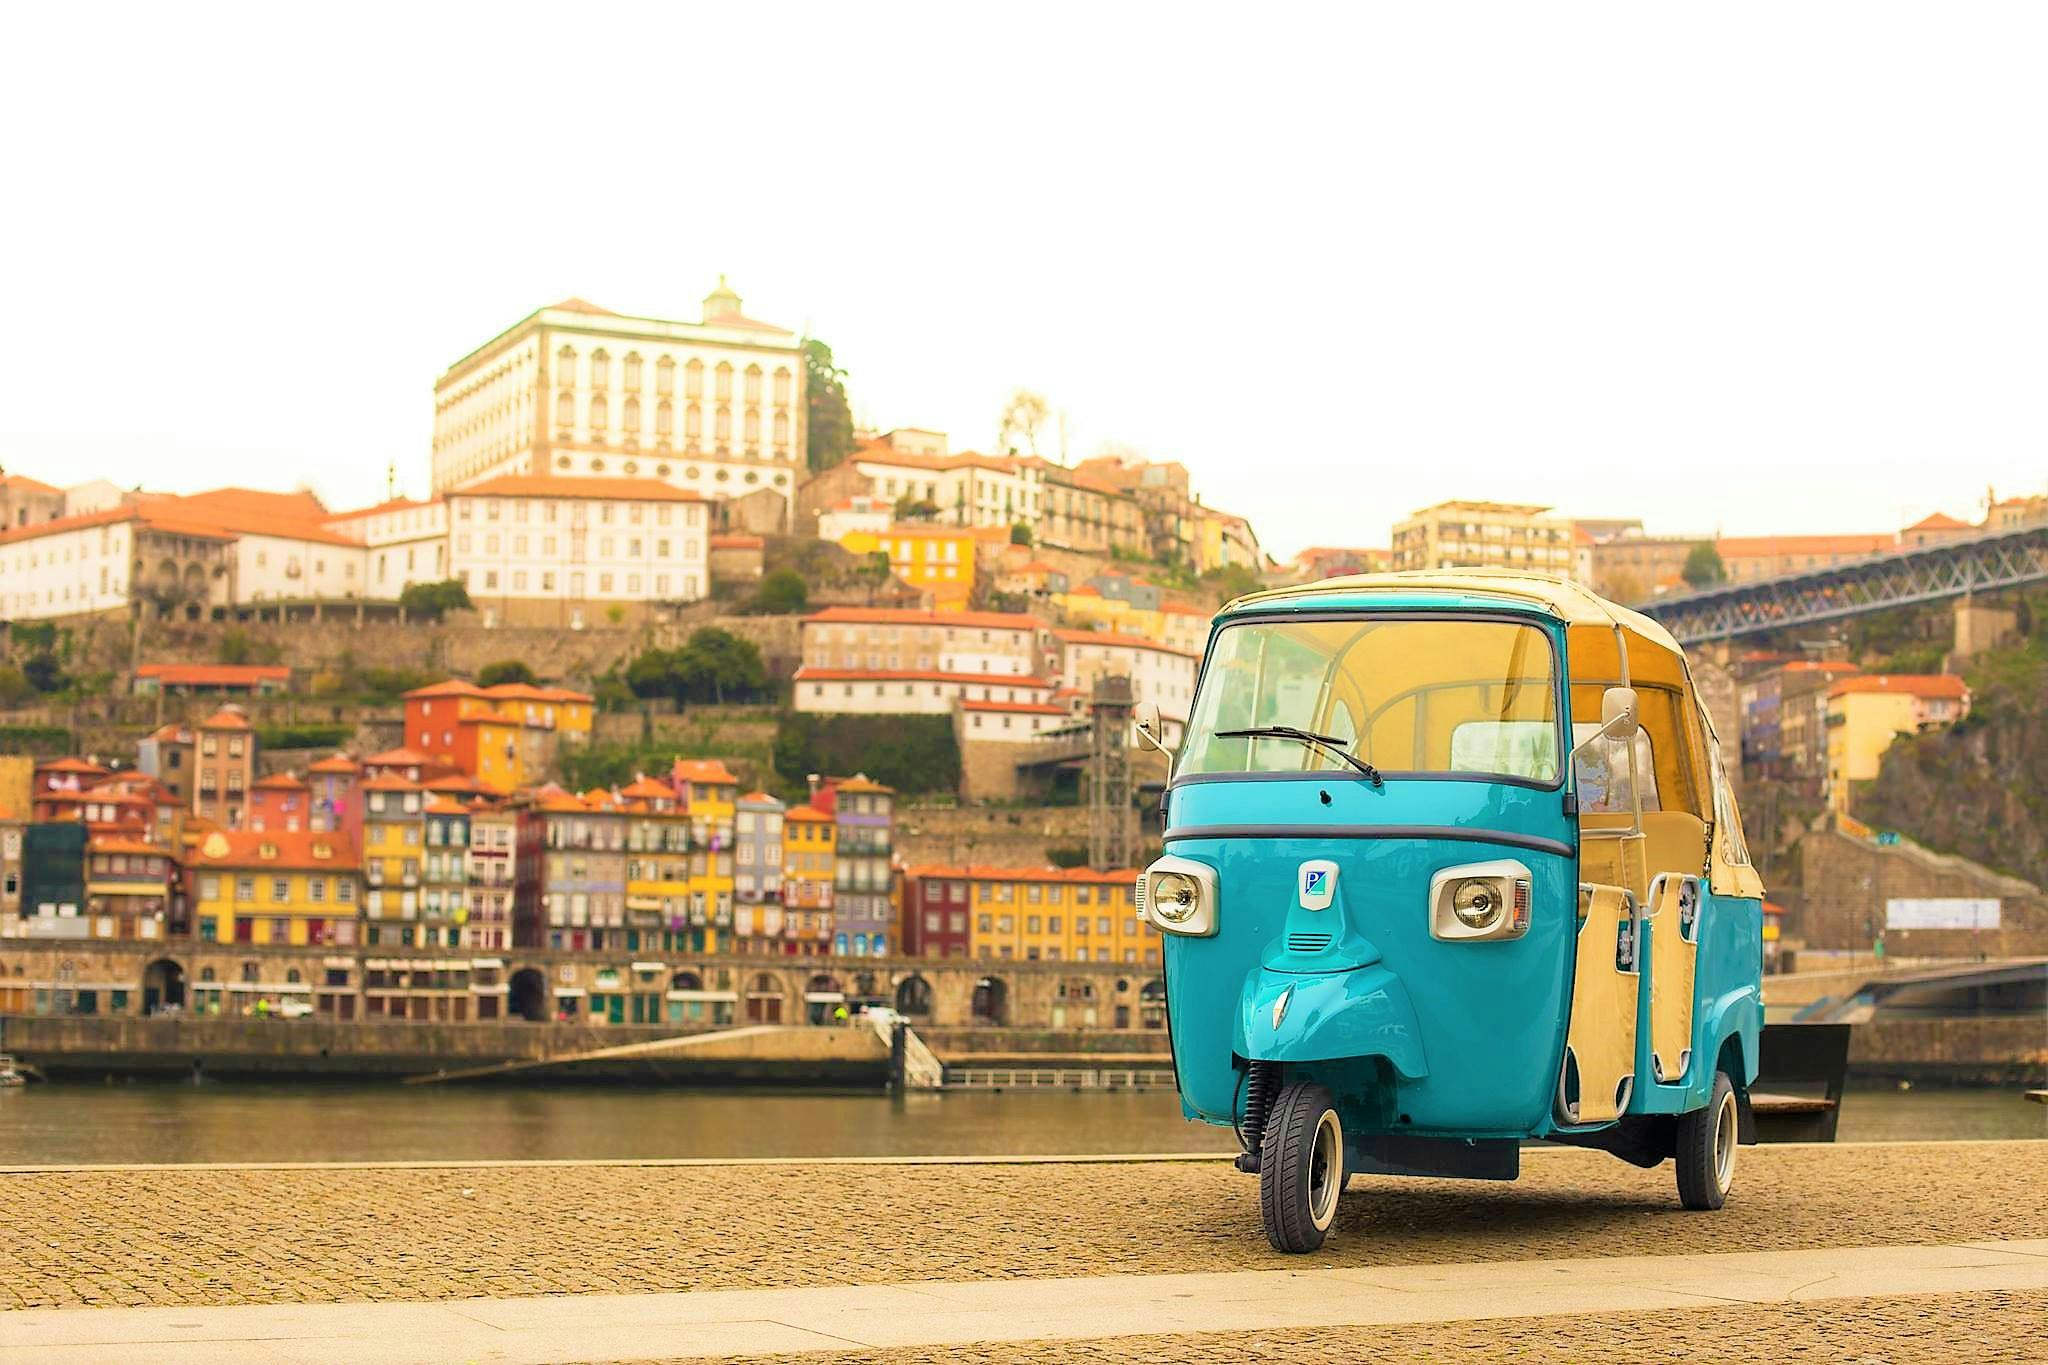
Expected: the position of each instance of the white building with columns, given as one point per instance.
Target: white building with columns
(713, 407)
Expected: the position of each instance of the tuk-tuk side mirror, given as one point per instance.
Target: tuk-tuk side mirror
(1145, 720)
(1618, 718)
(1618, 714)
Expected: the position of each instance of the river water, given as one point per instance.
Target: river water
(69, 1122)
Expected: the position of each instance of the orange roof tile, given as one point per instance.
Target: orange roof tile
(225, 719)
(760, 799)
(116, 843)
(284, 782)
(214, 675)
(563, 486)
(644, 787)
(1940, 521)
(391, 782)
(709, 771)
(861, 782)
(335, 763)
(397, 758)
(805, 815)
(290, 848)
(1751, 547)
(72, 765)
(442, 805)
(1929, 686)
(447, 687)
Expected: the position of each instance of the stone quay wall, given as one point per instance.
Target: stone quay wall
(1846, 883)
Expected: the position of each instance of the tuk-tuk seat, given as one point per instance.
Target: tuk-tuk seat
(1673, 841)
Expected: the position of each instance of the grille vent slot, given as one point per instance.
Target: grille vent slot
(1307, 943)
(1138, 895)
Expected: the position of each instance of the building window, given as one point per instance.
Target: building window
(632, 415)
(724, 382)
(632, 369)
(693, 379)
(753, 383)
(565, 366)
(600, 369)
(664, 419)
(664, 376)
(565, 411)
(600, 410)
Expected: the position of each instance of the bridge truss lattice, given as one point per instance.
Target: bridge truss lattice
(1931, 573)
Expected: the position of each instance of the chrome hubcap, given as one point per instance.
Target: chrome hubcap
(1724, 1143)
(1325, 1169)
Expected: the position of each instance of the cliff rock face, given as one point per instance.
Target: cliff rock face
(1979, 789)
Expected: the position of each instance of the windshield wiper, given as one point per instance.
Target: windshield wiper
(1327, 743)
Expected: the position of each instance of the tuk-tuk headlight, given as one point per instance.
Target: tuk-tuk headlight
(1476, 902)
(1178, 896)
(1479, 902)
(1175, 897)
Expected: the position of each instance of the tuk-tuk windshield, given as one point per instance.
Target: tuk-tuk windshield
(1408, 694)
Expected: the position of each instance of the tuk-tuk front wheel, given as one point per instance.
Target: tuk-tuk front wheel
(1301, 1168)
(1706, 1148)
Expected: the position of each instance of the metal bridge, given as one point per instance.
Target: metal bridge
(1932, 573)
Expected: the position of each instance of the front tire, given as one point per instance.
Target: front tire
(1301, 1168)
(1706, 1148)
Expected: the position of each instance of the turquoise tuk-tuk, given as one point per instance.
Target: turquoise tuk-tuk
(1451, 864)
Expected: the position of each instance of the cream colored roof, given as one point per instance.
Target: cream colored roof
(1570, 603)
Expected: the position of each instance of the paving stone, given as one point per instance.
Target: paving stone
(213, 1237)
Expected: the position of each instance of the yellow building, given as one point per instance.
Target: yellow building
(1495, 535)
(275, 887)
(658, 872)
(394, 836)
(709, 792)
(934, 559)
(1865, 714)
(1049, 915)
(809, 874)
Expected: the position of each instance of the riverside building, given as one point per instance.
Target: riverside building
(714, 407)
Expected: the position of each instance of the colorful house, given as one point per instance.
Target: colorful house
(935, 559)
(1865, 714)
(444, 879)
(493, 881)
(280, 801)
(757, 873)
(394, 839)
(710, 793)
(808, 881)
(864, 906)
(658, 870)
(275, 887)
(335, 805)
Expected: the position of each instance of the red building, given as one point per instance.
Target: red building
(332, 784)
(935, 912)
(280, 802)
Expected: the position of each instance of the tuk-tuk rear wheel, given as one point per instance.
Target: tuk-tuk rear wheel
(1301, 1168)
(1706, 1148)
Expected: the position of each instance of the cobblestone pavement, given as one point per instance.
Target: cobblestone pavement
(220, 1237)
(1931, 1329)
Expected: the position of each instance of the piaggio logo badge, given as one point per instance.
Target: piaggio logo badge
(1318, 883)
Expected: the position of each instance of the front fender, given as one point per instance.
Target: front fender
(1329, 1017)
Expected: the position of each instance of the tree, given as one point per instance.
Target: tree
(652, 674)
(14, 687)
(1020, 534)
(782, 593)
(239, 647)
(505, 671)
(828, 431)
(432, 601)
(719, 663)
(910, 507)
(1023, 417)
(44, 673)
(1703, 566)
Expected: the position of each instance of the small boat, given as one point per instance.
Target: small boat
(11, 1072)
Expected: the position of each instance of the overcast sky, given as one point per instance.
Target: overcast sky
(1749, 268)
